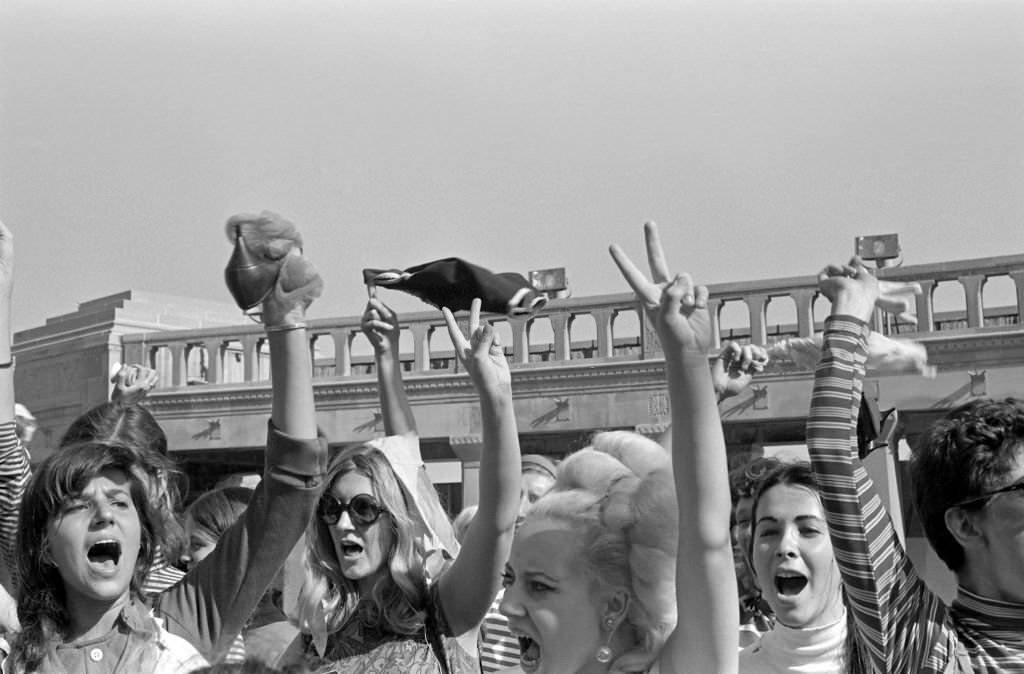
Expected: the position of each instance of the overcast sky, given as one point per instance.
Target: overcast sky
(762, 136)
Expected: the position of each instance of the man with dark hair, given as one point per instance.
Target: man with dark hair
(969, 491)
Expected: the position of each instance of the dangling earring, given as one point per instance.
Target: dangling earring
(604, 654)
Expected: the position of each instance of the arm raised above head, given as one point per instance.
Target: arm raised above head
(470, 585)
(706, 635)
(215, 599)
(899, 621)
(381, 327)
(14, 459)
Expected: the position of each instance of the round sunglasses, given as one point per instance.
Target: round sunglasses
(362, 509)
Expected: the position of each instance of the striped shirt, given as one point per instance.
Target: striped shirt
(903, 626)
(498, 647)
(14, 474)
(161, 575)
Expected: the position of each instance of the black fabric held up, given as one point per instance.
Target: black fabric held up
(453, 283)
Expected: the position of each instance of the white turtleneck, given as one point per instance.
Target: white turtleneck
(811, 650)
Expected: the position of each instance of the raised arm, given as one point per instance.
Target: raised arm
(14, 465)
(890, 604)
(471, 583)
(380, 325)
(132, 383)
(215, 599)
(706, 635)
(14, 460)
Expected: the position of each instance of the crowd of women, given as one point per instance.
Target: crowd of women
(629, 555)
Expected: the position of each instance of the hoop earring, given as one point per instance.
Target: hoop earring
(604, 654)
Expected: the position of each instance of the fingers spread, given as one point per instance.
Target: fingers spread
(643, 288)
(655, 254)
(458, 339)
(474, 315)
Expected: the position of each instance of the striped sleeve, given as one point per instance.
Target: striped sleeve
(902, 626)
(498, 647)
(14, 475)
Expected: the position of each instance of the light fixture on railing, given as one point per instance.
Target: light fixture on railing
(552, 282)
(979, 387)
(882, 249)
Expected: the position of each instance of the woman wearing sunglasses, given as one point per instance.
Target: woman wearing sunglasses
(387, 588)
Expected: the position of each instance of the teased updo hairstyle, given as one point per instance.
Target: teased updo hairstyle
(619, 494)
(397, 602)
(42, 607)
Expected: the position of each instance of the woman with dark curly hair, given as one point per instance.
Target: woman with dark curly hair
(89, 524)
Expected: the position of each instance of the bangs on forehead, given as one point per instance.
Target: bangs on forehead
(74, 467)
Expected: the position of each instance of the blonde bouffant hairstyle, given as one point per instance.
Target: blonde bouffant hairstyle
(619, 494)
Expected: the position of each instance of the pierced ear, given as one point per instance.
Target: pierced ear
(615, 608)
(962, 526)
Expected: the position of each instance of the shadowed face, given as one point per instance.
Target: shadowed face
(995, 562)
(200, 543)
(532, 486)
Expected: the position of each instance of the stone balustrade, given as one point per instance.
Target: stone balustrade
(587, 330)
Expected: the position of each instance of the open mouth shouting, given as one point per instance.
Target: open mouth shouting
(789, 583)
(529, 654)
(104, 555)
(350, 549)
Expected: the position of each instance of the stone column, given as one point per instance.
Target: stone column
(603, 324)
(249, 358)
(803, 298)
(215, 358)
(179, 372)
(421, 347)
(756, 309)
(560, 334)
(468, 449)
(925, 315)
(972, 284)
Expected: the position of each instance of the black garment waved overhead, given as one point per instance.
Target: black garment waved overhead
(453, 283)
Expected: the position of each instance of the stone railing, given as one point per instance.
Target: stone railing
(587, 330)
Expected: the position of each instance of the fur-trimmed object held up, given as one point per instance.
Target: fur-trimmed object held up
(885, 354)
(266, 259)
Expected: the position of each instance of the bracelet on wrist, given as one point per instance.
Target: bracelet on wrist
(9, 365)
(285, 327)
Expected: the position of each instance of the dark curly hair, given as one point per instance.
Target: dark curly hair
(964, 455)
(744, 478)
(42, 607)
